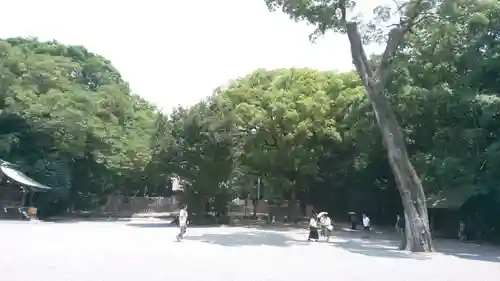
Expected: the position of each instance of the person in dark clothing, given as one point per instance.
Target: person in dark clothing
(398, 222)
(353, 219)
(400, 228)
(461, 231)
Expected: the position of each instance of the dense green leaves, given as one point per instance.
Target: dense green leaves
(289, 112)
(70, 121)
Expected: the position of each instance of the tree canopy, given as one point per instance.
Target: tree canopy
(69, 119)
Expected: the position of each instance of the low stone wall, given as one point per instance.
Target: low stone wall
(262, 208)
(119, 205)
(122, 205)
(280, 212)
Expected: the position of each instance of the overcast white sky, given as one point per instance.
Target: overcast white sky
(176, 52)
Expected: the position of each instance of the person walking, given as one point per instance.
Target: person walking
(400, 228)
(366, 225)
(183, 221)
(353, 220)
(327, 227)
(461, 231)
(322, 223)
(313, 228)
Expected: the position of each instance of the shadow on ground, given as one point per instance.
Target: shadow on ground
(369, 247)
(284, 227)
(152, 225)
(470, 251)
(386, 245)
(263, 225)
(379, 244)
(375, 247)
(251, 238)
(79, 220)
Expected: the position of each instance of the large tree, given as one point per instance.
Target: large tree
(201, 152)
(333, 15)
(288, 111)
(453, 153)
(92, 136)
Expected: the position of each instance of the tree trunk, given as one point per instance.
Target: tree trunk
(409, 185)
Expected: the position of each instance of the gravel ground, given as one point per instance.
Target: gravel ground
(146, 251)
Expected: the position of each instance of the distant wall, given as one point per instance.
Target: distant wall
(278, 211)
(262, 208)
(123, 205)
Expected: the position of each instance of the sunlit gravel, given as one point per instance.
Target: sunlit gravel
(146, 251)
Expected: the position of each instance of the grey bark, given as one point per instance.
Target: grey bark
(418, 234)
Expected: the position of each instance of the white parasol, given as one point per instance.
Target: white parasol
(322, 214)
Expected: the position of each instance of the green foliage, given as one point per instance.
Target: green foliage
(201, 151)
(289, 111)
(452, 76)
(70, 121)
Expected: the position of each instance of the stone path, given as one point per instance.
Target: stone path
(146, 251)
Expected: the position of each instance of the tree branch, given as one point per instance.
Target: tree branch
(396, 36)
(359, 57)
(400, 7)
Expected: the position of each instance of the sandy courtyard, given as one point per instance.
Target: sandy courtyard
(146, 251)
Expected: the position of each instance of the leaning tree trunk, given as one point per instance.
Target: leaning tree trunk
(418, 235)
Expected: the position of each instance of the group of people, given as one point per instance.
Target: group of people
(317, 223)
(320, 222)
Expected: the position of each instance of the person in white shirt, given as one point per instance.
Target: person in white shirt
(328, 227)
(366, 224)
(183, 221)
(313, 228)
(322, 223)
